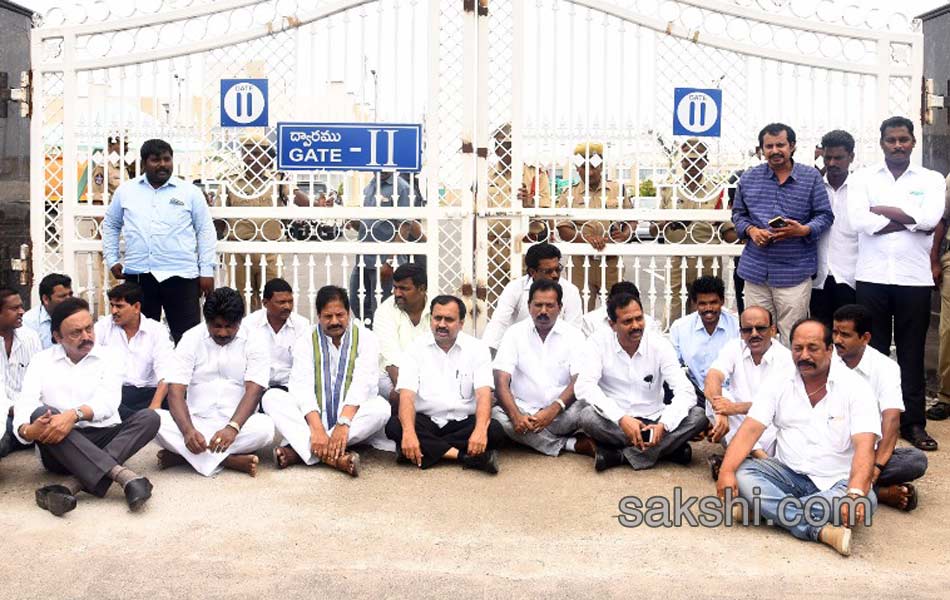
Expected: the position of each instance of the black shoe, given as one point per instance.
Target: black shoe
(6, 444)
(57, 499)
(939, 411)
(137, 492)
(607, 458)
(682, 455)
(918, 436)
(486, 461)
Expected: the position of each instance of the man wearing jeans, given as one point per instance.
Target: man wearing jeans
(827, 422)
(782, 208)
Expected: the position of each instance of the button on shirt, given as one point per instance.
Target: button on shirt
(902, 257)
(759, 199)
(816, 441)
(26, 343)
(697, 348)
(395, 331)
(215, 375)
(168, 231)
(445, 382)
(147, 357)
(597, 319)
(838, 248)
(539, 369)
(56, 381)
(620, 385)
(281, 343)
(39, 321)
(512, 307)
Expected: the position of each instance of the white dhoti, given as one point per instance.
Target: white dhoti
(257, 433)
(289, 420)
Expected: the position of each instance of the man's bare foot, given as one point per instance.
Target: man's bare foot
(585, 445)
(349, 463)
(284, 456)
(167, 459)
(902, 496)
(245, 463)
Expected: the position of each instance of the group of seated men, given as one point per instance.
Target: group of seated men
(818, 419)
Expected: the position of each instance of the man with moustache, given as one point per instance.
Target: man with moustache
(826, 423)
(145, 346)
(621, 379)
(597, 319)
(747, 364)
(54, 288)
(894, 467)
(280, 327)
(782, 208)
(333, 401)
(445, 395)
(19, 345)
(69, 406)
(224, 369)
(535, 370)
(699, 336)
(400, 320)
(833, 286)
(895, 207)
(169, 240)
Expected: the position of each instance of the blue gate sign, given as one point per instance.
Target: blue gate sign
(697, 112)
(244, 103)
(349, 147)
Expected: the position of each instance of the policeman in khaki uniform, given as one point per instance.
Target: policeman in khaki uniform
(589, 160)
(694, 192)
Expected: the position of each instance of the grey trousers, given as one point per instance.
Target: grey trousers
(89, 453)
(550, 441)
(906, 464)
(605, 431)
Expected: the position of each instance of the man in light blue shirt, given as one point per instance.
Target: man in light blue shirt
(54, 288)
(169, 240)
(699, 336)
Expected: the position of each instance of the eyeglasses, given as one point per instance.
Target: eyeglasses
(757, 328)
(551, 272)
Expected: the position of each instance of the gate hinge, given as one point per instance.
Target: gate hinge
(469, 6)
(22, 95)
(930, 101)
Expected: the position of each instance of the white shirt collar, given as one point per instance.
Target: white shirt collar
(59, 354)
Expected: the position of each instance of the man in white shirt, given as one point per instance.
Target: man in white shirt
(827, 423)
(281, 327)
(445, 387)
(621, 379)
(333, 400)
(894, 467)
(144, 345)
(54, 288)
(535, 369)
(746, 365)
(19, 345)
(400, 320)
(543, 261)
(895, 207)
(833, 286)
(225, 369)
(597, 319)
(69, 406)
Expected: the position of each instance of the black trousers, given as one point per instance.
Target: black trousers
(825, 302)
(435, 441)
(909, 308)
(89, 453)
(176, 295)
(134, 399)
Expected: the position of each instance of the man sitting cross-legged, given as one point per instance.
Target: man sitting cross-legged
(445, 384)
(826, 423)
(621, 379)
(333, 400)
(894, 467)
(535, 369)
(69, 406)
(224, 369)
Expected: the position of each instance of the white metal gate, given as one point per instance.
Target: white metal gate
(521, 82)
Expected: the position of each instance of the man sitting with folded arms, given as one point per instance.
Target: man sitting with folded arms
(894, 467)
(69, 406)
(747, 364)
(445, 388)
(597, 319)
(333, 400)
(826, 423)
(280, 327)
(535, 369)
(621, 379)
(145, 346)
(224, 368)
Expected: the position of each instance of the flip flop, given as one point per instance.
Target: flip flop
(911, 497)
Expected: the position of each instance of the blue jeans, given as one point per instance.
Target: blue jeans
(776, 482)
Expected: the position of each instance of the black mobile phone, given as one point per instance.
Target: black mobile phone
(647, 435)
(777, 222)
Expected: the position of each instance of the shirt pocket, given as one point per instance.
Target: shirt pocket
(172, 218)
(466, 383)
(839, 431)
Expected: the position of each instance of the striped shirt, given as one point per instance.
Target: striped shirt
(760, 198)
(26, 343)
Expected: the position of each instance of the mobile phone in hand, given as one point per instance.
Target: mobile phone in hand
(778, 222)
(647, 435)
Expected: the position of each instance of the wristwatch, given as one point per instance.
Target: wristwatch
(233, 425)
(560, 403)
(79, 415)
(344, 421)
(855, 492)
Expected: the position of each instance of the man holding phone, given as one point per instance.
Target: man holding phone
(781, 208)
